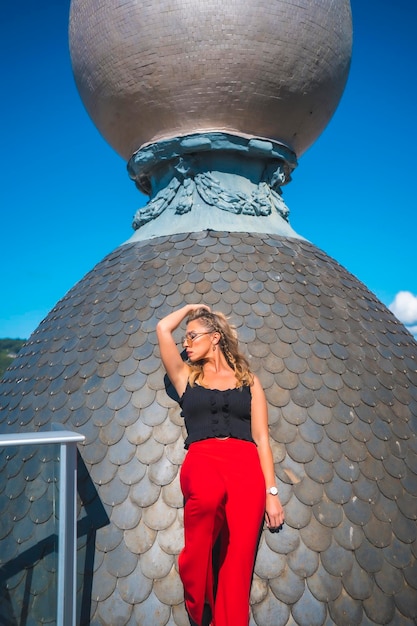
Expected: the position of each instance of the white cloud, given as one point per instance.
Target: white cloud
(404, 306)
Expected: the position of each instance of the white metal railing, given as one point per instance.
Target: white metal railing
(67, 528)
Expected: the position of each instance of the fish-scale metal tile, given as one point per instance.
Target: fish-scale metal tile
(118, 562)
(175, 451)
(169, 590)
(145, 493)
(310, 431)
(172, 495)
(347, 469)
(319, 470)
(167, 431)
(9, 548)
(311, 380)
(287, 475)
(348, 535)
(14, 583)
(288, 587)
(308, 492)
(17, 462)
(171, 539)
(397, 554)
(303, 561)
(115, 605)
(315, 538)
(308, 611)
(40, 511)
(262, 610)
(121, 452)
(329, 398)
(283, 542)
(323, 585)
(403, 432)
(140, 538)
(302, 396)
(328, 449)
(163, 472)
(150, 451)
(269, 563)
(410, 575)
(379, 450)
(336, 560)
(390, 487)
(379, 608)
(114, 492)
(358, 511)
(155, 562)
(389, 579)
(132, 472)
(346, 611)
(279, 397)
(408, 505)
(18, 518)
(126, 515)
(297, 514)
(291, 412)
(151, 611)
(111, 434)
(354, 450)
(338, 490)
(329, 514)
(339, 379)
(361, 431)
(159, 515)
(394, 466)
(379, 533)
(405, 600)
(366, 490)
(404, 528)
(135, 587)
(300, 451)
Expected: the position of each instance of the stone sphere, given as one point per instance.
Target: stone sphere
(266, 68)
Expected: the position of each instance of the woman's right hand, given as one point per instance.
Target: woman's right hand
(194, 307)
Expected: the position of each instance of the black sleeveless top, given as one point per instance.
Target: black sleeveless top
(215, 413)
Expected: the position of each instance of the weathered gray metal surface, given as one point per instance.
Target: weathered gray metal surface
(152, 70)
(200, 181)
(340, 375)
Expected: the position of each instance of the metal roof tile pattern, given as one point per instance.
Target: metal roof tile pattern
(339, 373)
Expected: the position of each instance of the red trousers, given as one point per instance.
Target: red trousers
(224, 491)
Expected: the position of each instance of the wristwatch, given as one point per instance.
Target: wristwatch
(272, 490)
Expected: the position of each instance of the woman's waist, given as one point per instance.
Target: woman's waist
(222, 444)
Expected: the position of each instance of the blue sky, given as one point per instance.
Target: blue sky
(66, 200)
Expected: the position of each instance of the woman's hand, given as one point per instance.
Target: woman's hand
(194, 307)
(274, 513)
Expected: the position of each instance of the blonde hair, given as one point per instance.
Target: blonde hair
(228, 344)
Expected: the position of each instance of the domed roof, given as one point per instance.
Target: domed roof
(340, 375)
(267, 68)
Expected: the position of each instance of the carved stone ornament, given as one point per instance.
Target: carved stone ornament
(195, 172)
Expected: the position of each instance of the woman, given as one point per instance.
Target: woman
(227, 477)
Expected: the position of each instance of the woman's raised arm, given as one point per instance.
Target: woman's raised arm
(176, 369)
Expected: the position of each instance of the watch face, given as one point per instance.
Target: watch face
(273, 491)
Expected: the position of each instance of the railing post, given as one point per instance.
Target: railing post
(67, 541)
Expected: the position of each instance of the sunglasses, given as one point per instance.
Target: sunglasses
(191, 337)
